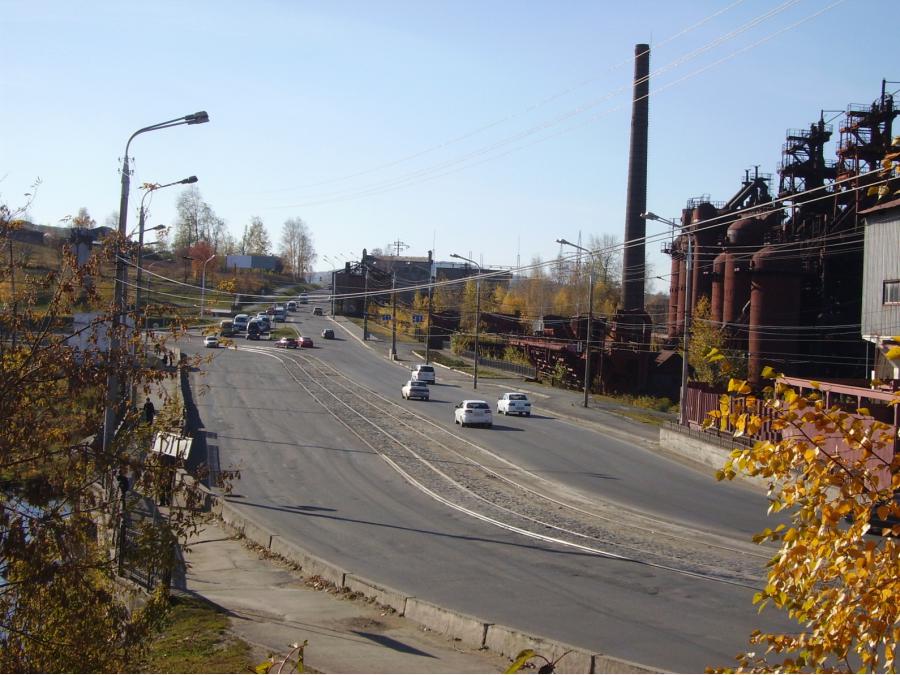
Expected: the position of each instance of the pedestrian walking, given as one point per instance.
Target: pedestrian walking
(149, 411)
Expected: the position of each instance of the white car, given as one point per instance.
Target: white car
(415, 389)
(423, 373)
(473, 412)
(514, 402)
(210, 341)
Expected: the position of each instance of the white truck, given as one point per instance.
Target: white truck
(514, 402)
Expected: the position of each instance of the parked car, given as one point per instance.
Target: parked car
(305, 341)
(514, 403)
(328, 334)
(415, 389)
(317, 311)
(423, 373)
(473, 412)
(292, 305)
(210, 341)
(287, 343)
(226, 328)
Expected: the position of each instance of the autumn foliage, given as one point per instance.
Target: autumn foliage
(62, 606)
(832, 574)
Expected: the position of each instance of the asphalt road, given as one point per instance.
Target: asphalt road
(317, 484)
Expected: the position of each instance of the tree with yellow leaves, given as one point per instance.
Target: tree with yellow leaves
(833, 470)
(61, 606)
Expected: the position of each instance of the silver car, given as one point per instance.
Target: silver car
(415, 389)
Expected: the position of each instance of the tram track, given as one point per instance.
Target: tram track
(472, 479)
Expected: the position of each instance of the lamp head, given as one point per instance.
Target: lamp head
(200, 117)
(564, 242)
(649, 216)
(188, 180)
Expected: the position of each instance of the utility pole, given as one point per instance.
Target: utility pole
(688, 310)
(394, 315)
(366, 302)
(428, 327)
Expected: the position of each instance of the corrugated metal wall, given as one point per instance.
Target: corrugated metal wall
(882, 263)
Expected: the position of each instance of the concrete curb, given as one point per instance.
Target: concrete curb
(383, 595)
(469, 630)
(510, 642)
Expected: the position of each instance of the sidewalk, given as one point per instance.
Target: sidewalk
(271, 606)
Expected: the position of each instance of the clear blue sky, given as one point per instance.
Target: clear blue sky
(485, 128)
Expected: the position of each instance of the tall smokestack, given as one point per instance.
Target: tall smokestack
(634, 258)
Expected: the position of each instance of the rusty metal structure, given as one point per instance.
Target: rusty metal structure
(783, 273)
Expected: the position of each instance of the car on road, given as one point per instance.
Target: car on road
(514, 402)
(328, 333)
(423, 373)
(253, 330)
(415, 389)
(471, 412)
(287, 343)
(210, 341)
(292, 306)
(305, 341)
(240, 322)
(265, 322)
(317, 311)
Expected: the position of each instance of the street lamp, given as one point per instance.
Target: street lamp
(477, 311)
(187, 259)
(203, 283)
(112, 381)
(142, 215)
(688, 311)
(587, 343)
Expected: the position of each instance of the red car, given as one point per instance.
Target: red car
(306, 341)
(288, 343)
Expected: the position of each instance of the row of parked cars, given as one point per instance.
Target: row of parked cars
(469, 412)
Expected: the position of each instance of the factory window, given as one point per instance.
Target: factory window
(892, 292)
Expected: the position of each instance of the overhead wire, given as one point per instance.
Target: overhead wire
(427, 174)
(528, 109)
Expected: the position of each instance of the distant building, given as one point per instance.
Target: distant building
(376, 273)
(252, 262)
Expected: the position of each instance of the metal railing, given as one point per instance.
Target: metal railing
(507, 366)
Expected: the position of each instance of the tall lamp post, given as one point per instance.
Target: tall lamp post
(688, 311)
(142, 216)
(203, 283)
(113, 393)
(587, 341)
(477, 312)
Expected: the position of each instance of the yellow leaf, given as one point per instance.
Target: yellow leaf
(521, 659)
(893, 353)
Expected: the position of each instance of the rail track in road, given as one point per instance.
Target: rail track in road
(463, 475)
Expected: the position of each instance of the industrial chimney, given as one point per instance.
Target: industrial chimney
(634, 258)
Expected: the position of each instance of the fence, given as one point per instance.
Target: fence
(700, 401)
(517, 368)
